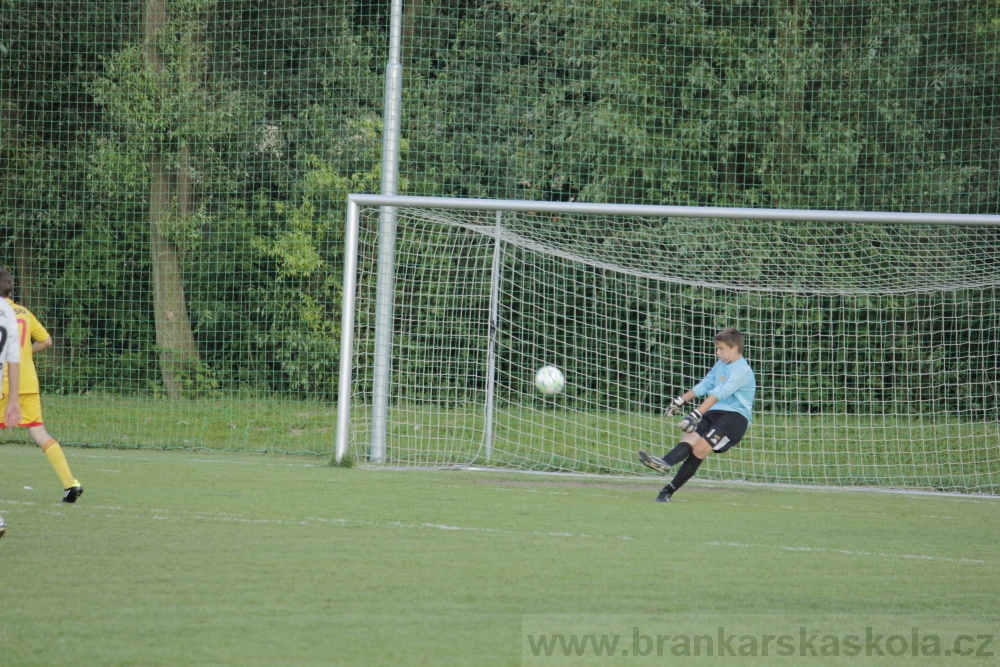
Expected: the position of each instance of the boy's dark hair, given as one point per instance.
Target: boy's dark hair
(731, 337)
(6, 283)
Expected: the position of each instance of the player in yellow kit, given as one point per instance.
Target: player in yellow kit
(34, 338)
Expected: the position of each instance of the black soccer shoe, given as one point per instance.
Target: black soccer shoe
(665, 494)
(3, 526)
(650, 461)
(72, 493)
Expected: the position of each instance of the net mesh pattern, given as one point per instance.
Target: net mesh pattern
(883, 376)
(173, 176)
(757, 255)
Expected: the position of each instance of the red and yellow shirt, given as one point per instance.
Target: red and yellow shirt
(29, 330)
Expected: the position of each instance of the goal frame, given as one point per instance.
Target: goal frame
(386, 269)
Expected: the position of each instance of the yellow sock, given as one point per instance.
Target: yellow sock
(54, 453)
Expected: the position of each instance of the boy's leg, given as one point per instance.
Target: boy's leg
(57, 459)
(717, 433)
(680, 452)
(686, 472)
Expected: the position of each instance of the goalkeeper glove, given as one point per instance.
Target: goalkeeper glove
(675, 406)
(690, 423)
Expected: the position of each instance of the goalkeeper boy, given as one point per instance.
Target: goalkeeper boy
(719, 422)
(32, 337)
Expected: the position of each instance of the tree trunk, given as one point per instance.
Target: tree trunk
(411, 14)
(27, 274)
(174, 338)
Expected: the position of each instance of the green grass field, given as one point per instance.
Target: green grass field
(902, 452)
(212, 558)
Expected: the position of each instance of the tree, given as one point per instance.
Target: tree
(178, 352)
(163, 102)
(46, 57)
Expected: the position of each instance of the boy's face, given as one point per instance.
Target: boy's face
(725, 353)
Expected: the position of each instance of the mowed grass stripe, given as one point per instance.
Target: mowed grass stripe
(182, 558)
(899, 450)
(162, 515)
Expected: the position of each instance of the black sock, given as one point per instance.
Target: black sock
(678, 454)
(686, 472)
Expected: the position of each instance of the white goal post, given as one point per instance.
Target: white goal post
(874, 337)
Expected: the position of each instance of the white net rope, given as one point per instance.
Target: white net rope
(874, 346)
(758, 255)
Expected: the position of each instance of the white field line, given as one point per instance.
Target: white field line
(156, 514)
(980, 498)
(914, 493)
(768, 506)
(848, 552)
(578, 492)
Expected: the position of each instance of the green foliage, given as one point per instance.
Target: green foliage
(273, 113)
(300, 249)
(748, 104)
(347, 461)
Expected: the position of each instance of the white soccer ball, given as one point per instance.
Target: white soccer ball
(550, 380)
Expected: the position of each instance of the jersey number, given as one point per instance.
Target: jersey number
(23, 328)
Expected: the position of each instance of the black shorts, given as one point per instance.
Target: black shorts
(722, 429)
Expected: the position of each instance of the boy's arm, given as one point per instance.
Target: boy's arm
(677, 403)
(726, 389)
(690, 423)
(12, 415)
(707, 404)
(40, 337)
(688, 395)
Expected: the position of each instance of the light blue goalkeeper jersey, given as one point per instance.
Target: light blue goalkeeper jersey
(734, 385)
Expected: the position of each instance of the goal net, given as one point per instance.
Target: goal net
(874, 338)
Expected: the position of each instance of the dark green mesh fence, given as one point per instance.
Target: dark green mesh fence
(174, 172)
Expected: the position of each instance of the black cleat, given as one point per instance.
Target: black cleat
(650, 461)
(72, 493)
(665, 494)
(3, 526)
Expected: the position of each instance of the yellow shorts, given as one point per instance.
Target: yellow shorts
(31, 410)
